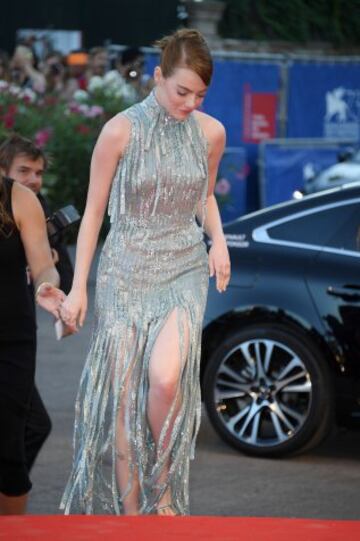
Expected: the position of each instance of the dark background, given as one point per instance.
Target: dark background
(128, 22)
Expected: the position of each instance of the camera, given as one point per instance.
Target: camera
(61, 219)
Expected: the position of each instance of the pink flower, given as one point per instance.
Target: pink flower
(9, 121)
(12, 109)
(42, 137)
(222, 187)
(74, 107)
(83, 129)
(28, 95)
(94, 111)
(244, 172)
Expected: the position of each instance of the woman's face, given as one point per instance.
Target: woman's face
(181, 92)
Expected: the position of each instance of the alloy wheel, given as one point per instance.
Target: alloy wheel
(263, 392)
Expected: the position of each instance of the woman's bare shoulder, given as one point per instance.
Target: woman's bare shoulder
(212, 128)
(116, 132)
(118, 124)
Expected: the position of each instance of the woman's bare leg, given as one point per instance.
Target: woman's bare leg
(164, 372)
(13, 505)
(130, 499)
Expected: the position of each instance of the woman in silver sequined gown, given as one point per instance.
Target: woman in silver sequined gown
(138, 405)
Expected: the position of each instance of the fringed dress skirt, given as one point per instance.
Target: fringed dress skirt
(153, 262)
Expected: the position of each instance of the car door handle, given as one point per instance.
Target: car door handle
(346, 293)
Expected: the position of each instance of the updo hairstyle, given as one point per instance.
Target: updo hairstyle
(185, 48)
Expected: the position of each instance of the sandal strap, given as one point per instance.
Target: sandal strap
(167, 506)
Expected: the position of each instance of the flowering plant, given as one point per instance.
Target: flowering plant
(66, 131)
(17, 109)
(111, 92)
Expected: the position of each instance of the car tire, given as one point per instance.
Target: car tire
(268, 391)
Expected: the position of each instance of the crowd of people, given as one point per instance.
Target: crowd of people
(63, 75)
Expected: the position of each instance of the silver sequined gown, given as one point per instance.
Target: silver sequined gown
(153, 261)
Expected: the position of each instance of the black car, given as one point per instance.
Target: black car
(346, 170)
(281, 348)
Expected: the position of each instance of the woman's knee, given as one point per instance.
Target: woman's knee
(164, 388)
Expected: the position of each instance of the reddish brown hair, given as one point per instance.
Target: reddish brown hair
(186, 48)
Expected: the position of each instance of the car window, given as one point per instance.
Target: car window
(347, 236)
(315, 228)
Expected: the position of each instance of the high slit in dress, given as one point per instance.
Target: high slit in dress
(153, 262)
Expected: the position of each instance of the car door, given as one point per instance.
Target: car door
(334, 282)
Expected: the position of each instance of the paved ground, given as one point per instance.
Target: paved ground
(322, 484)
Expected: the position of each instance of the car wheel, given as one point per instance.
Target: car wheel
(268, 391)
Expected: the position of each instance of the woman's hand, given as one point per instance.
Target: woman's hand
(219, 263)
(73, 309)
(50, 298)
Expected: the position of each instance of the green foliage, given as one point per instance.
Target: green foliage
(66, 131)
(334, 21)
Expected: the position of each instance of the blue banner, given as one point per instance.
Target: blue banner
(231, 185)
(324, 100)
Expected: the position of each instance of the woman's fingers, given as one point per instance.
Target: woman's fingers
(211, 267)
(219, 264)
(50, 298)
(222, 277)
(57, 303)
(71, 328)
(68, 318)
(72, 315)
(82, 316)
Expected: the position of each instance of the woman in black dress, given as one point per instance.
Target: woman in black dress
(23, 241)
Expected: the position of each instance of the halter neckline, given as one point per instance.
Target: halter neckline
(159, 111)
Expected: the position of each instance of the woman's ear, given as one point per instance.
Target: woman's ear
(157, 75)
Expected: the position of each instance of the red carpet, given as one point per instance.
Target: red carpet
(104, 528)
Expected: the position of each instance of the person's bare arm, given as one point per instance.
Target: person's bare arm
(31, 223)
(107, 153)
(219, 261)
(30, 220)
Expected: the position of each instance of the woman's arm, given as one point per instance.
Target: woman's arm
(107, 153)
(219, 261)
(30, 220)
